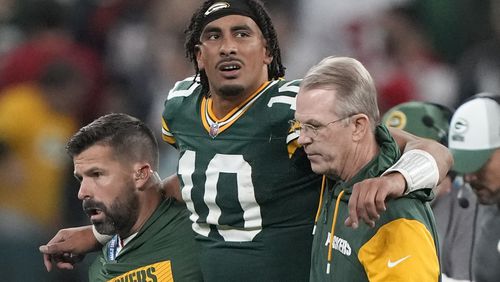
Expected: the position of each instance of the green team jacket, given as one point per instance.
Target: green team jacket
(401, 247)
(163, 250)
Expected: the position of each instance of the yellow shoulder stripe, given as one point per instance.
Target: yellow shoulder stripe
(165, 133)
(401, 250)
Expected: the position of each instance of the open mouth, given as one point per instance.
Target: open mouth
(229, 67)
(93, 213)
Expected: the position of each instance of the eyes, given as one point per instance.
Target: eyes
(216, 35)
(299, 127)
(95, 174)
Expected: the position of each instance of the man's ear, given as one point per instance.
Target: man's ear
(199, 61)
(268, 60)
(361, 124)
(269, 57)
(141, 175)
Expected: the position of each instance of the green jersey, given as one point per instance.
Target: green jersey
(249, 187)
(164, 249)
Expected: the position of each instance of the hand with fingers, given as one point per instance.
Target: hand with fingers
(69, 247)
(368, 198)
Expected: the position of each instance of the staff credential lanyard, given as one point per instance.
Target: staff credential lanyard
(112, 247)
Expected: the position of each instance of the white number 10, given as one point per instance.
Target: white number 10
(222, 163)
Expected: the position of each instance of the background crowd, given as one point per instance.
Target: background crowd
(64, 63)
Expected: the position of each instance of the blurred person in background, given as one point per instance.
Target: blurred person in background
(10, 34)
(409, 68)
(479, 66)
(454, 209)
(36, 119)
(388, 37)
(352, 31)
(128, 25)
(474, 141)
(47, 39)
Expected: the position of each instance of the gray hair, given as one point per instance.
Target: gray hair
(356, 92)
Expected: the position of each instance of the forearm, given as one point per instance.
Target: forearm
(424, 164)
(73, 241)
(440, 153)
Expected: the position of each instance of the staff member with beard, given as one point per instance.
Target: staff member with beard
(474, 141)
(115, 159)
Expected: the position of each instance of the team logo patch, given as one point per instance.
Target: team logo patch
(217, 6)
(214, 130)
(460, 126)
(458, 129)
(396, 119)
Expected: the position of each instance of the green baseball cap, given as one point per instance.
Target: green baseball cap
(422, 119)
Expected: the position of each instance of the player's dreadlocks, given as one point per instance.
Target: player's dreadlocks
(193, 34)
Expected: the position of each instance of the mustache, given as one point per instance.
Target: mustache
(229, 59)
(477, 186)
(91, 205)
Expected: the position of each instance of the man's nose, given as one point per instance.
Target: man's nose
(85, 190)
(304, 139)
(470, 177)
(228, 46)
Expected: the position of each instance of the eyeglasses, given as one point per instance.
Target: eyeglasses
(306, 128)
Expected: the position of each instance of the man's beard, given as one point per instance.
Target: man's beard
(119, 217)
(231, 90)
(491, 197)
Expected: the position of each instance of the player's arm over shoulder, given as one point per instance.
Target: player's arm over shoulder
(439, 153)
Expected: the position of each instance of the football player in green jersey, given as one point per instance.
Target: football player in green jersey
(246, 181)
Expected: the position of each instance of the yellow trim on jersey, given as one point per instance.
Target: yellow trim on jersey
(208, 116)
(160, 271)
(291, 139)
(401, 250)
(292, 147)
(165, 133)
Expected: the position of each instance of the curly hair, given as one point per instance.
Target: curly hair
(193, 34)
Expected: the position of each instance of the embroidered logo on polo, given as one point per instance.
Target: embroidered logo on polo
(392, 264)
(339, 244)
